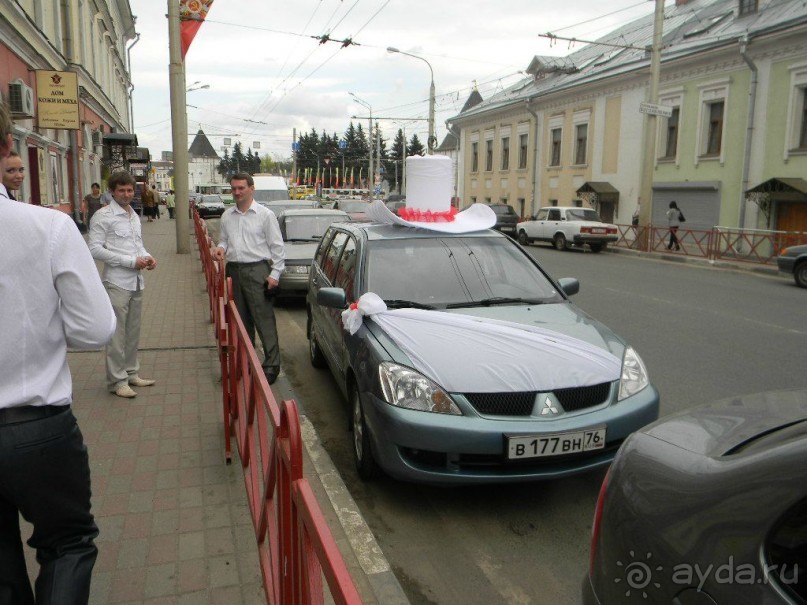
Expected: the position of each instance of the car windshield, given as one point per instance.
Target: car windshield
(583, 214)
(212, 199)
(456, 272)
(349, 206)
(310, 227)
(503, 210)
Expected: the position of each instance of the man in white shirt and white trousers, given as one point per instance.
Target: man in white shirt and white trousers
(116, 239)
(52, 298)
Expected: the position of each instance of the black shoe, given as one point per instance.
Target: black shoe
(271, 377)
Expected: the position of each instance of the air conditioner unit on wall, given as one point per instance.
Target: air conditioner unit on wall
(21, 99)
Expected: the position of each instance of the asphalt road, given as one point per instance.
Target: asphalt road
(704, 334)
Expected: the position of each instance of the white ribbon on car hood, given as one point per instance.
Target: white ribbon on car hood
(470, 354)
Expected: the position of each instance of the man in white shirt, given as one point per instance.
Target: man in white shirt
(116, 240)
(250, 240)
(53, 299)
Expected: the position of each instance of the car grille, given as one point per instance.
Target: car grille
(521, 403)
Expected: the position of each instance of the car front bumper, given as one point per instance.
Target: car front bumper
(443, 449)
(785, 263)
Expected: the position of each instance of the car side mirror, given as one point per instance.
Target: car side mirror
(333, 298)
(569, 285)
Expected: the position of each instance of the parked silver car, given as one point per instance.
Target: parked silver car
(483, 426)
(302, 228)
(707, 506)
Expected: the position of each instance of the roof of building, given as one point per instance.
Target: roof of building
(689, 28)
(450, 143)
(201, 147)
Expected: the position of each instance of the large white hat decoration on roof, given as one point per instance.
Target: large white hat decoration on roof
(428, 200)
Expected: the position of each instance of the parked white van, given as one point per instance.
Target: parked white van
(268, 188)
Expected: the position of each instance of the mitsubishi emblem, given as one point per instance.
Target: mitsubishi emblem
(549, 408)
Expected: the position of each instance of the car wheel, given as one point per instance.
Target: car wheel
(560, 242)
(366, 465)
(314, 352)
(597, 247)
(800, 274)
(522, 238)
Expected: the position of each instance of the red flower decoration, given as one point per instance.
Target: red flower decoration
(414, 215)
(354, 306)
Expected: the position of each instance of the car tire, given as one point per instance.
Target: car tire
(800, 274)
(314, 352)
(522, 238)
(366, 465)
(560, 243)
(597, 247)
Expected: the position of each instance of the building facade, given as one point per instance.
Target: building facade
(90, 38)
(733, 153)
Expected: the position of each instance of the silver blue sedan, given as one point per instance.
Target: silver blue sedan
(507, 393)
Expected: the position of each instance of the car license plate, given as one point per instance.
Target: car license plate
(555, 444)
(598, 231)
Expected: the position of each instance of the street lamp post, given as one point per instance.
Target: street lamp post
(369, 140)
(432, 142)
(197, 86)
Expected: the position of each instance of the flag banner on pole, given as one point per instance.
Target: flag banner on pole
(192, 14)
(337, 176)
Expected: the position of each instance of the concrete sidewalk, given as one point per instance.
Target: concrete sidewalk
(174, 521)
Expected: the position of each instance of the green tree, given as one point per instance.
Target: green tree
(415, 146)
(397, 157)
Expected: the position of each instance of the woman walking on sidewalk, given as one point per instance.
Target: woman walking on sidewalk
(674, 221)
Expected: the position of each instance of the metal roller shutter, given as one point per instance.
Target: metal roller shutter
(700, 203)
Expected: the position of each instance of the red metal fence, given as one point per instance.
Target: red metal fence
(719, 243)
(295, 545)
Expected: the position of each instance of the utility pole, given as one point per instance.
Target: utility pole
(294, 155)
(648, 158)
(179, 127)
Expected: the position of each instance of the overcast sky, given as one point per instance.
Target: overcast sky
(267, 74)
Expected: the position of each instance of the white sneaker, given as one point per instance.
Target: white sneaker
(136, 381)
(125, 391)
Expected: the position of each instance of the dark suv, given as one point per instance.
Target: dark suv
(506, 218)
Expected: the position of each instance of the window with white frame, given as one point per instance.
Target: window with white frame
(475, 156)
(505, 153)
(797, 110)
(489, 155)
(522, 150)
(714, 128)
(556, 137)
(713, 109)
(669, 137)
(803, 122)
(580, 143)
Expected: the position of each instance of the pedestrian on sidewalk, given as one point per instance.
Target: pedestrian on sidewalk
(116, 240)
(148, 197)
(13, 173)
(91, 203)
(251, 242)
(156, 195)
(170, 203)
(674, 216)
(46, 271)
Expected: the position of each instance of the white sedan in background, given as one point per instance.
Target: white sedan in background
(565, 226)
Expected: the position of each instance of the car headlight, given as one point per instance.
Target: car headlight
(298, 269)
(634, 375)
(405, 388)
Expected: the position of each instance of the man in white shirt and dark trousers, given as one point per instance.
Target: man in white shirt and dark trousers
(52, 299)
(250, 240)
(116, 240)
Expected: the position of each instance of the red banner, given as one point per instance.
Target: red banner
(192, 14)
